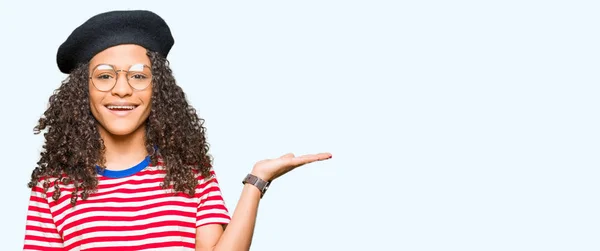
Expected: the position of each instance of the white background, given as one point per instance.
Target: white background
(454, 125)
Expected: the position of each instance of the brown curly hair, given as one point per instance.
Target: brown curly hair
(73, 146)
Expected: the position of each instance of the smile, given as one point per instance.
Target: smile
(121, 107)
(121, 110)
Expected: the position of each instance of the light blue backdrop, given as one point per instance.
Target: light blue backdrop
(454, 125)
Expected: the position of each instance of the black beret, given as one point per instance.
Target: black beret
(108, 29)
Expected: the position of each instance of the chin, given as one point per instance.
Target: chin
(120, 129)
(123, 125)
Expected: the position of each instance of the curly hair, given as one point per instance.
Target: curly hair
(73, 146)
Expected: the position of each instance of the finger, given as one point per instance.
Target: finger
(324, 156)
(309, 158)
(315, 157)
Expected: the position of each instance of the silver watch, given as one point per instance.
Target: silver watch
(261, 184)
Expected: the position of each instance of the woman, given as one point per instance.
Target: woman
(125, 164)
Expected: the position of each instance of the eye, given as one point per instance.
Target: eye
(104, 76)
(138, 76)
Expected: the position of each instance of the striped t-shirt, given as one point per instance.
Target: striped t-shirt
(129, 211)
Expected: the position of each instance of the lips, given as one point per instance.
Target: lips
(121, 109)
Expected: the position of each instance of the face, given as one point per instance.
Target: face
(122, 109)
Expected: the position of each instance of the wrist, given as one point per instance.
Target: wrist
(257, 182)
(252, 189)
(260, 174)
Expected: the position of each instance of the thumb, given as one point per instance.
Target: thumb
(287, 156)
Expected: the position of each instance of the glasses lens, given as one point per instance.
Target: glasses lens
(104, 77)
(139, 76)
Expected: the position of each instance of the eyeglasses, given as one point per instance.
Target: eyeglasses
(104, 77)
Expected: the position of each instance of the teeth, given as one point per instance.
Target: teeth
(121, 107)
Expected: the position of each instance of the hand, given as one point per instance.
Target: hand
(271, 169)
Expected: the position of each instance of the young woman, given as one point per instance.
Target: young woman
(125, 164)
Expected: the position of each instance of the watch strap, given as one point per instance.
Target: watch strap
(259, 183)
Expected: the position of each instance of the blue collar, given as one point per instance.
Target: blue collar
(124, 173)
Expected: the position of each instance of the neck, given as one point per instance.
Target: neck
(124, 151)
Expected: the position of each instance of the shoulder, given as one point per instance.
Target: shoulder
(45, 186)
(207, 183)
(211, 177)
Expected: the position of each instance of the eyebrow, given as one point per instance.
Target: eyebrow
(117, 68)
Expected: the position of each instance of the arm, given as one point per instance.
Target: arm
(238, 233)
(40, 231)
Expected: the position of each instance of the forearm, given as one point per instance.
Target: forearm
(239, 231)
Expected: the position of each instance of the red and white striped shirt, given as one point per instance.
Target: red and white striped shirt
(129, 211)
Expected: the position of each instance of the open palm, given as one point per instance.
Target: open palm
(271, 169)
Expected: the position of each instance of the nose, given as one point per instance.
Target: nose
(122, 87)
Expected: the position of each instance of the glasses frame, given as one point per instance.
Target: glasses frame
(117, 78)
